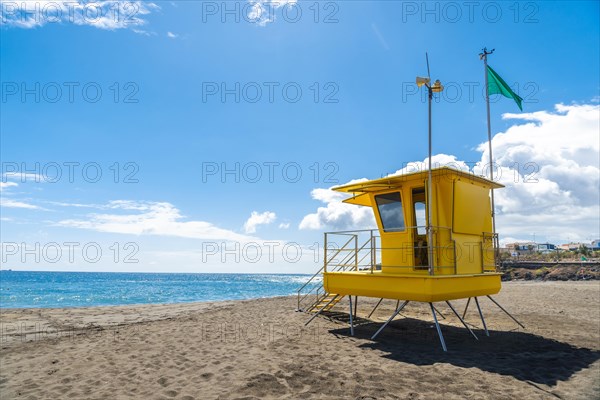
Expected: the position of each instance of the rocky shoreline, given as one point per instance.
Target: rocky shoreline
(548, 271)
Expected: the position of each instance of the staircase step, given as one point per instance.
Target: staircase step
(325, 303)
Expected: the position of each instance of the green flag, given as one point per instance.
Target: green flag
(496, 85)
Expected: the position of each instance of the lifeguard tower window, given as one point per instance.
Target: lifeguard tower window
(419, 209)
(420, 217)
(389, 206)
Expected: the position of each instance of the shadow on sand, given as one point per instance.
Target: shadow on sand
(523, 355)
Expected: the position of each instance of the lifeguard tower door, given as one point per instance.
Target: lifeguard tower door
(419, 223)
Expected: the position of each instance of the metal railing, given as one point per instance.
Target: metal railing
(490, 252)
(357, 258)
(349, 256)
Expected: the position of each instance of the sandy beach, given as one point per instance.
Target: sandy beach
(259, 349)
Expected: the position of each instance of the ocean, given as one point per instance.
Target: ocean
(23, 289)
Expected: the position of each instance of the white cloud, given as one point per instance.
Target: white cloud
(284, 225)
(262, 12)
(437, 160)
(256, 219)
(337, 215)
(77, 205)
(9, 203)
(4, 185)
(172, 35)
(108, 15)
(25, 176)
(550, 166)
(143, 32)
(151, 218)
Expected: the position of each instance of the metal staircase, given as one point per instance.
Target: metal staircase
(349, 257)
(325, 302)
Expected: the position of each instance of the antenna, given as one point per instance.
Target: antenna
(437, 85)
(431, 89)
(485, 53)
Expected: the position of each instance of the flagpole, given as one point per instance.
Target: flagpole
(483, 56)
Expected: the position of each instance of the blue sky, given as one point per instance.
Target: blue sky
(163, 121)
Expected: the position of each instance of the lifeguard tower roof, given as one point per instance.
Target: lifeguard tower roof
(361, 189)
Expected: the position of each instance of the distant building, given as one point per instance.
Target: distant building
(517, 249)
(570, 246)
(594, 245)
(545, 248)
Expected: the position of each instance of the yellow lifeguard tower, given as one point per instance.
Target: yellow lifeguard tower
(428, 246)
(450, 257)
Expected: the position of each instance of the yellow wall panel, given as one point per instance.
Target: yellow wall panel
(472, 208)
